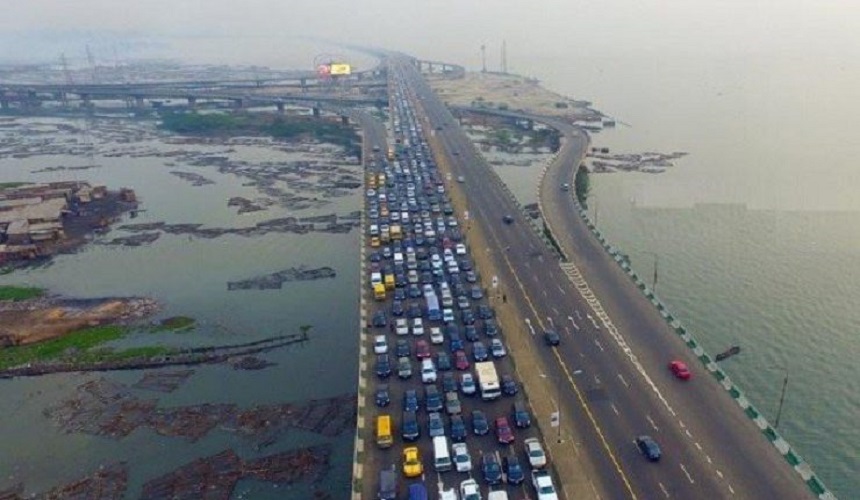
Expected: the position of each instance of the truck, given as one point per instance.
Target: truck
(488, 380)
(433, 311)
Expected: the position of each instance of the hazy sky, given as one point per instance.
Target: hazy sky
(451, 29)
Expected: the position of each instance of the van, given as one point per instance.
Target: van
(384, 437)
(398, 258)
(374, 230)
(389, 282)
(379, 291)
(387, 484)
(447, 299)
(428, 371)
(441, 454)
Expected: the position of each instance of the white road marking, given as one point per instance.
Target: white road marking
(555, 310)
(687, 474)
(681, 423)
(731, 489)
(597, 343)
(531, 328)
(651, 421)
(575, 326)
(560, 289)
(665, 491)
(615, 409)
(549, 320)
(708, 458)
(698, 446)
(623, 381)
(596, 379)
(720, 473)
(578, 316)
(687, 432)
(577, 372)
(545, 294)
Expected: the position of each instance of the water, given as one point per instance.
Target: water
(188, 276)
(756, 230)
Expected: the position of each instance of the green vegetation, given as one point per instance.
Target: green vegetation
(175, 324)
(19, 293)
(11, 185)
(582, 186)
(551, 238)
(264, 124)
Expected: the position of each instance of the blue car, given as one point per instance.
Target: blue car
(455, 343)
(410, 400)
(458, 429)
(397, 308)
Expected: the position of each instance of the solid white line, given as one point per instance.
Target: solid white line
(688, 474)
(623, 381)
(665, 492)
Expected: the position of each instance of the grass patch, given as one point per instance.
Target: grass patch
(174, 324)
(71, 346)
(11, 185)
(18, 293)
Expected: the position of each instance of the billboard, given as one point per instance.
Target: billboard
(340, 69)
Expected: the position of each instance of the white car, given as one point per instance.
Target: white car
(542, 482)
(497, 348)
(380, 345)
(417, 327)
(460, 249)
(462, 459)
(447, 315)
(467, 384)
(469, 490)
(449, 494)
(534, 450)
(401, 326)
(436, 336)
(448, 255)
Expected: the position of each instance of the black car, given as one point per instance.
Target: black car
(479, 352)
(400, 294)
(397, 308)
(443, 361)
(402, 349)
(480, 424)
(375, 257)
(432, 398)
(383, 366)
(468, 318)
(484, 312)
(649, 448)
(466, 265)
(476, 293)
(507, 219)
(413, 291)
(491, 469)
(458, 429)
(509, 385)
(514, 470)
(551, 337)
(379, 319)
(490, 328)
(410, 400)
(449, 383)
(521, 415)
(471, 333)
(410, 430)
(414, 310)
(383, 398)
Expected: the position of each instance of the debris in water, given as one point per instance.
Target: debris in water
(275, 280)
(164, 381)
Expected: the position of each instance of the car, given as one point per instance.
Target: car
(379, 319)
(383, 366)
(467, 384)
(514, 472)
(436, 336)
(410, 430)
(414, 311)
(435, 425)
(412, 462)
(447, 315)
(479, 351)
(469, 490)
(404, 368)
(471, 333)
(534, 450)
(649, 448)
(476, 293)
(468, 318)
(382, 397)
(447, 494)
(375, 257)
(400, 294)
(401, 326)
(422, 349)
(462, 302)
(504, 434)
(380, 344)
(480, 424)
(491, 469)
(471, 277)
(542, 483)
(679, 369)
(460, 178)
(387, 484)
(417, 326)
(458, 429)
(507, 219)
(461, 361)
(509, 385)
(432, 398)
(484, 312)
(490, 328)
(410, 400)
(443, 361)
(521, 415)
(452, 403)
(565, 187)
(449, 383)
(497, 348)
(455, 343)
(462, 459)
(402, 348)
(413, 291)
(397, 308)
(460, 249)
(551, 337)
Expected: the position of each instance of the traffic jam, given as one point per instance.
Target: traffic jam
(448, 418)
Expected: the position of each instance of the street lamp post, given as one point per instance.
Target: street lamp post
(656, 262)
(781, 400)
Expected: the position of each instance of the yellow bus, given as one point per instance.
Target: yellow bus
(384, 437)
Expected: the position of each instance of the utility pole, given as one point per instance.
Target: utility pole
(483, 58)
(781, 401)
(504, 57)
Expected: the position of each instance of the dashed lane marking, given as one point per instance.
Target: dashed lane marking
(689, 477)
(614, 408)
(621, 377)
(665, 491)
(651, 421)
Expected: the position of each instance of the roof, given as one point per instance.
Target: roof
(46, 210)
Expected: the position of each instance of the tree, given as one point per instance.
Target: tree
(582, 185)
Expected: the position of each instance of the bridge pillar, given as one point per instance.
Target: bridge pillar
(86, 102)
(238, 103)
(429, 67)
(315, 111)
(280, 107)
(344, 120)
(4, 102)
(304, 84)
(139, 102)
(192, 102)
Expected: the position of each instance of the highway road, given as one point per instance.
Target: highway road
(613, 382)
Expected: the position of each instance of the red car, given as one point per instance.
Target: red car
(447, 243)
(422, 349)
(504, 434)
(461, 361)
(679, 369)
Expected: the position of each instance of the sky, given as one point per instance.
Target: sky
(256, 30)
